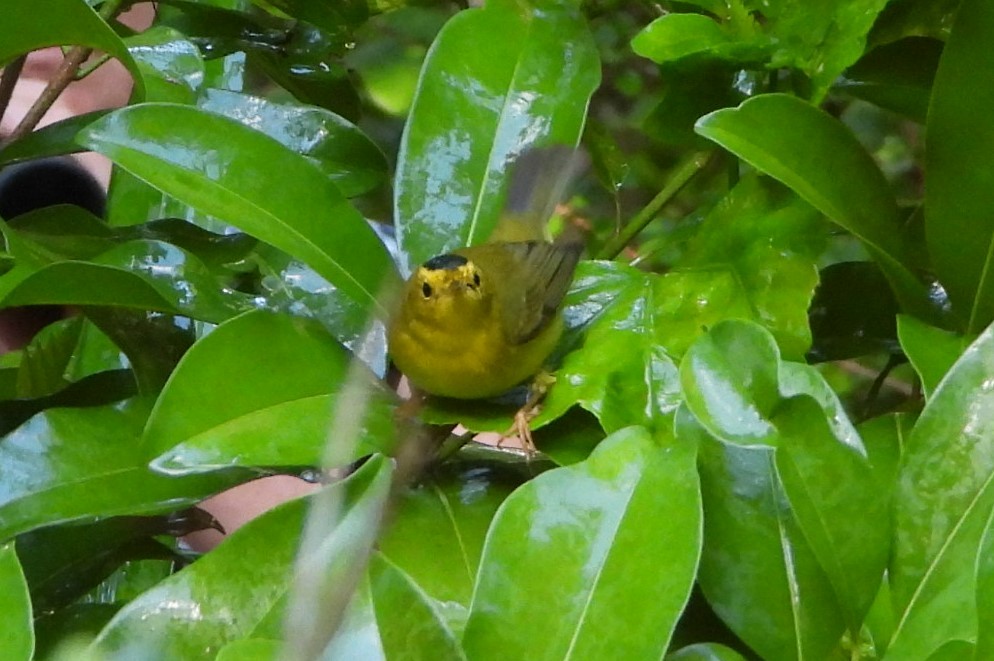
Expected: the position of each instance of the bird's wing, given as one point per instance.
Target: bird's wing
(546, 270)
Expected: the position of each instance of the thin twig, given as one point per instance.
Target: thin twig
(681, 177)
(56, 85)
(11, 73)
(65, 74)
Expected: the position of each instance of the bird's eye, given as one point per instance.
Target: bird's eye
(426, 290)
(476, 279)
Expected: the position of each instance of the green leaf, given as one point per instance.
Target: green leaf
(944, 503)
(70, 464)
(437, 534)
(673, 37)
(586, 543)
(818, 479)
(336, 544)
(932, 351)
(406, 619)
(769, 239)
(959, 230)
(69, 22)
(820, 39)
(144, 275)
(251, 649)
(335, 145)
(52, 140)
(199, 423)
(171, 65)
(45, 360)
(757, 571)
(477, 108)
(62, 563)
(820, 159)
(16, 629)
(211, 601)
(298, 210)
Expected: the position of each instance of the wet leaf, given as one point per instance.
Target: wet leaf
(16, 630)
(224, 596)
(818, 507)
(943, 509)
(932, 351)
(673, 37)
(299, 210)
(52, 140)
(818, 158)
(958, 227)
(199, 424)
(477, 109)
(70, 464)
(437, 535)
(570, 541)
(335, 145)
(400, 616)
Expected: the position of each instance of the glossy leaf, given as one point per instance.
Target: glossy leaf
(818, 158)
(561, 574)
(932, 351)
(437, 534)
(199, 424)
(821, 40)
(673, 37)
(225, 595)
(944, 503)
(757, 571)
(405, 616)
(171, 65)
(792, 430)
(62, 563)
(769, 239)
(338, 538)
(16, 628)
(335, 145)
(296, 289)
(307, 62)
(145, 275)
(43, 366)
(476, 109)
(52, 140)
(298, 210)
(70, 464)
(958, 228)
(71, 23)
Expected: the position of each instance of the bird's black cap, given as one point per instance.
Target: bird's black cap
(445, 262)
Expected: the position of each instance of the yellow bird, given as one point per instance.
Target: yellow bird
(480, 320)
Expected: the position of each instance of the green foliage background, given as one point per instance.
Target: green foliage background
(724, 475)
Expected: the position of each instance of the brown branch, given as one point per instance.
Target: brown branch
(65, 74)
(58, 83)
